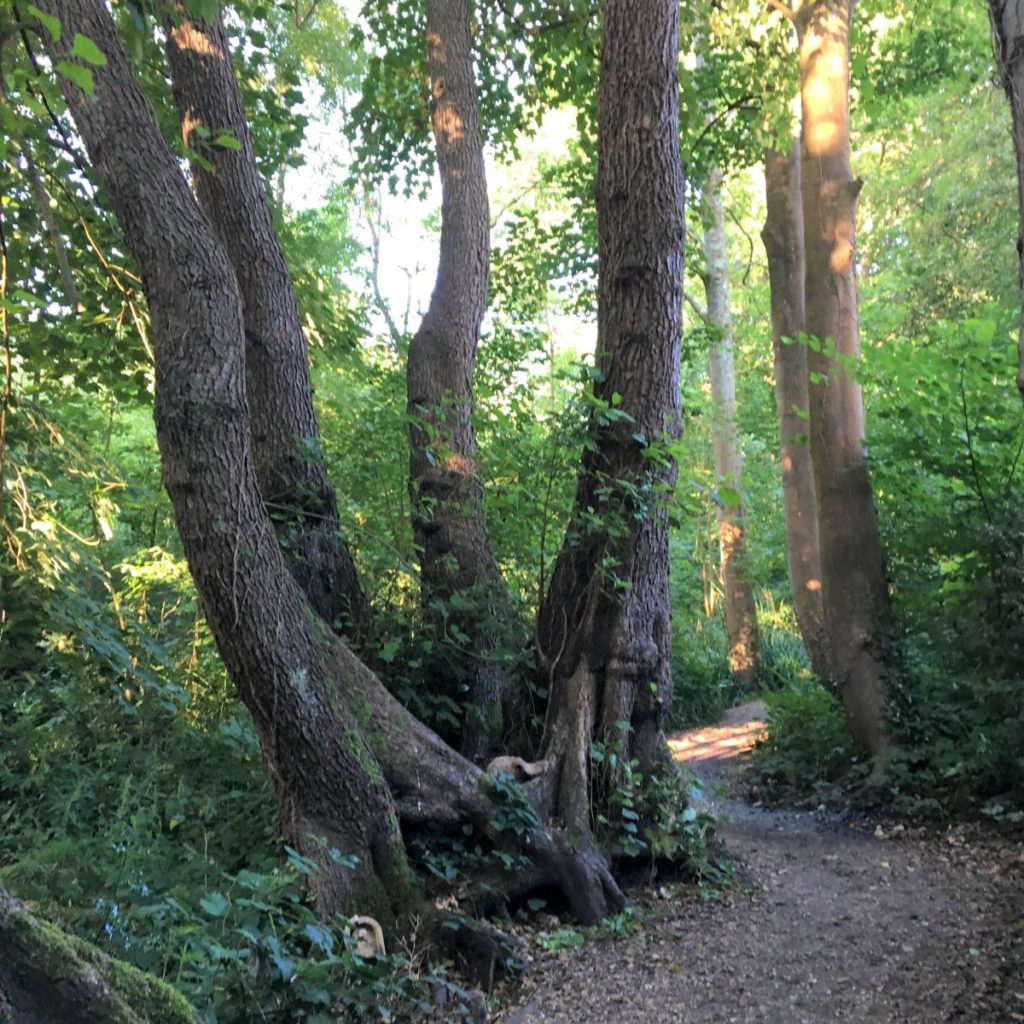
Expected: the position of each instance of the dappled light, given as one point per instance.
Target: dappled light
(384, 554)
(717, 743)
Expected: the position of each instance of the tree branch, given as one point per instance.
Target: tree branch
(697, 307)
(783, 9)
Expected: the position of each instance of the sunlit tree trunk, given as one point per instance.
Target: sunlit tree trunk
(740, 610)
(1007, 17)
(456, 558)
(604, 630)
(857, 613)
(285, 435)
(346, 761)
(783, 236)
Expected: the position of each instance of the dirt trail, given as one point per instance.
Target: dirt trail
(832, 921)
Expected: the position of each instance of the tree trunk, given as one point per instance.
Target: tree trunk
(456, 558)
(345, 758)
(285, 436)
(745, 661)
(50, 977)
(1007, 17)
(783, 236)
(858, 620)
(604, 630)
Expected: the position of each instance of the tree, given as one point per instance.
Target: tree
(740, 610)
(1007, 18)
(604, 631)
(346, 760)
(856, 598)
(285, 436)
(783, 236)
(463, 591)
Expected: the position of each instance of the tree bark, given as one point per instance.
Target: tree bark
(345, 758)
(604, 629)
(858, 619)
(1007, 18)
(50, 977)
(285, 435)
(456, 558)
(745, 661)
(783, 236)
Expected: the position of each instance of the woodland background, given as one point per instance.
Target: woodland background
(135, 809)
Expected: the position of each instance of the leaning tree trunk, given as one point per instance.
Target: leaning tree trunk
(345, 758)
(745, 660)
(456, 558)
(783, 236)
(285, 435)
(1007, 17)
(604, 629)
(50, 977)
(858, 619)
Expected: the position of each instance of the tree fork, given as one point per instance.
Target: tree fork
(343, 755)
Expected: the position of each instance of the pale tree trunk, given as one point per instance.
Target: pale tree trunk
(285, 435)
(745, 660)
(858, 619)
(346, 760)
(604, 629)
(1007, 18)
(456, 558)
(50, 977)
(783, 236)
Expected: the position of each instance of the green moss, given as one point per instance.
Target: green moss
(135, 997)
(359, 747)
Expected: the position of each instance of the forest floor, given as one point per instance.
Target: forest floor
(832, 918)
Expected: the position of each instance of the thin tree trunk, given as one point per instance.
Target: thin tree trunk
(345, 758)
(858, 619)
(285, 434)
(456, 558)
(604, 630)
(1007, 18)
(783, 236)
(745, 660)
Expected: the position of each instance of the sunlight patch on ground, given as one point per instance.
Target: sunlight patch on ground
(717, 742)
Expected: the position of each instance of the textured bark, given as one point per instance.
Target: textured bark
(857, 612)
(456, 558)
(745, 660)
(1007, 18)
(343, 755)
(783, 236)
(50, 977)
(285, 434)
(604, 630)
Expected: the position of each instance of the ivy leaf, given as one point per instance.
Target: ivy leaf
(85, 48)
(50, 23)
(215, 904)
(82, 77)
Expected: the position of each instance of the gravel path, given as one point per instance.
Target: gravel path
(831, 921)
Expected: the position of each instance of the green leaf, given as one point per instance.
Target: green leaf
(215, 904)
(50, 23)
(82, 77)
(730, 496)
(227, 140)
(85, 48)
